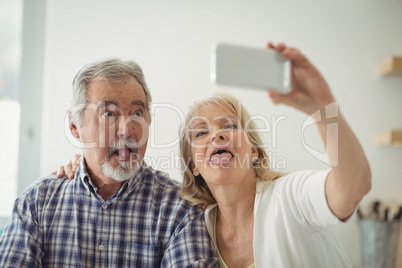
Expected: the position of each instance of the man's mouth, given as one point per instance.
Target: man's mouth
(221, 156)
(125, 154)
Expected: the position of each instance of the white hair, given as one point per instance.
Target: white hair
(124, 172)
(108, 69)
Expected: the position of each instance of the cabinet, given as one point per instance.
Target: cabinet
(391, 66)
(390, 137)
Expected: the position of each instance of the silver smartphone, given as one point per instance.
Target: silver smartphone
(248, 67)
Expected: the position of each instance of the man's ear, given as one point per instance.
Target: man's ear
(73, 127)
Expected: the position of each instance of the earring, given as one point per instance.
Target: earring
(195, 172)
(254, 159)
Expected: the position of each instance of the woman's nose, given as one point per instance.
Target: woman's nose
(218, 136)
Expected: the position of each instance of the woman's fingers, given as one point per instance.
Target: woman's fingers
(60, 172)
(278, 98)
(75, 162)
(270, 45)
(280, 47)
(295, 56)
(68, 169)
(288, 52)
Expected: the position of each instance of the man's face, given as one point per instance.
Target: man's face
(114, 128)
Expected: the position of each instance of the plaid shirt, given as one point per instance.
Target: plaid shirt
(65, 223)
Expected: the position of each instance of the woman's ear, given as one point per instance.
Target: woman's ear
(194, 170)
(73, 127)
(192, 165)
(254, 155)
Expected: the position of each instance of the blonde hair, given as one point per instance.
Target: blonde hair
(195, 189)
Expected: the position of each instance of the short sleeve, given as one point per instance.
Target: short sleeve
(304, 194)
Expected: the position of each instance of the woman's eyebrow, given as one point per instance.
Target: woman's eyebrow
(226, 118)
(200, 124)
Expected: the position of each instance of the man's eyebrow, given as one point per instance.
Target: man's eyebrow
(109, 102)
(138, 103)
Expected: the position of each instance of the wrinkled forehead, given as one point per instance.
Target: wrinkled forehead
(123, 90)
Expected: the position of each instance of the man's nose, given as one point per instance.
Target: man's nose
(125, 127)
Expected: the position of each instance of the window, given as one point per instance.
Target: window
(10, 50)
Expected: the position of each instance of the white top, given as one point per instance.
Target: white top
(290, 219)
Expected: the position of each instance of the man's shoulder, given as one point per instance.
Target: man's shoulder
(161, 178)
(51, 180)
(48, 186)
(167, 191)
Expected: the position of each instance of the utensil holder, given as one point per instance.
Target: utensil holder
(379, 242)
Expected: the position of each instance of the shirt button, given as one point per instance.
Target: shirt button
(101, 247)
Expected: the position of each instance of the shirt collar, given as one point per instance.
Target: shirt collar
(88, 184)
(83, 174)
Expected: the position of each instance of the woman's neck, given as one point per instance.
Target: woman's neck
(235, 222)
(235, 202)
(235, 212)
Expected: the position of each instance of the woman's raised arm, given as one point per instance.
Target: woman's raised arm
(350, 178)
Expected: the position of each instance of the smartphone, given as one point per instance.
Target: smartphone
(248, 67)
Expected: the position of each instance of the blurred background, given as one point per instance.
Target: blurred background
(43, 44)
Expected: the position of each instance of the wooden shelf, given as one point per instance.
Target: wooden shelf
(391, 66)
(390, 137)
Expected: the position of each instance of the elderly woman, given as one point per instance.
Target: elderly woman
(257, 216)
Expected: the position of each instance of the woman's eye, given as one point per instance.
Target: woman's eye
(231, 126)
(200, 133)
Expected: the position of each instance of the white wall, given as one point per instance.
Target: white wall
(172, 40)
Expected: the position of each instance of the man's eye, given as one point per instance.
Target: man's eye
(108, 113)
(137, 113)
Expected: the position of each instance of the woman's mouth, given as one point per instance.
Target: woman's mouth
(221, 156)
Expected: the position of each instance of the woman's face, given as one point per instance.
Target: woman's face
(220, 149)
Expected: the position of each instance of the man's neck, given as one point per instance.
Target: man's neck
(107, 190)
(107, 187)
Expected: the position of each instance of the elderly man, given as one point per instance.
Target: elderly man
(118, 212)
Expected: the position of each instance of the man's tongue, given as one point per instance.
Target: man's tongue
(124, 154)
(221, 159)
